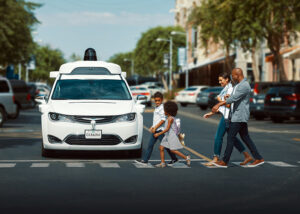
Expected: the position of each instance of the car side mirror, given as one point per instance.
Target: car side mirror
(141, 99)
(40, 100)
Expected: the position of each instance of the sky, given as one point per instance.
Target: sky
(108, 26)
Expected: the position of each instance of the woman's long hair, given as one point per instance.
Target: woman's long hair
(226, 75)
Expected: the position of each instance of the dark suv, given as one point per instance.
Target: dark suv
(21, 93)
(283, 101)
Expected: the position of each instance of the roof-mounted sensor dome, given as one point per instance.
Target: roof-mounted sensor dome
(90, 55)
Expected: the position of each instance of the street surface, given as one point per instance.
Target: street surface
(112, 183)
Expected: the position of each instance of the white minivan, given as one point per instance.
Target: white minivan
(8, 108)
(90, 108)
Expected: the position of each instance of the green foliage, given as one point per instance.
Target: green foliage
(149, 53)
(74, 57)
(47, 59)
(120, 59)
(17, 22)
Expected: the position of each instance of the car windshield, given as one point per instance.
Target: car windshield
(190, 89)
(73, 89)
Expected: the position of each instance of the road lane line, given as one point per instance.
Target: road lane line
(180, 166)
(244, 166)
(142, 166)
(188, 149)
(40, 165)
(109, 165)
(75, 165)
(296, 139)
(210, 167)
(7, 165)
(280, 164)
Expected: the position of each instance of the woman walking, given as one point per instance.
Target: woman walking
(224, 81)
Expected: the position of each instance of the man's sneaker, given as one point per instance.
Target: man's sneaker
(172, 162)
(220, 164)
(142, 162)
(257, 163)
(161, 165)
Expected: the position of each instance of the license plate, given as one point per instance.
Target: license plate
(93, 134)
(260, 101)
(276, 99)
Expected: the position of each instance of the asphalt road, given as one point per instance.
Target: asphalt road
(112, 183)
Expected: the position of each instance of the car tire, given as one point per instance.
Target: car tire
(277, 119)
(183, 104)
(47, 153)
(16, 115)
(203, 107)
(2, 116)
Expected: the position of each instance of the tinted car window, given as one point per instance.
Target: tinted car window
(19, 86)
(91, 90)
(3, 86)
(190, 89)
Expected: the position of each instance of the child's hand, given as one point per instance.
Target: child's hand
(152, 130)
(156, 135)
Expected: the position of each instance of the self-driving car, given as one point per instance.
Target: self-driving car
(90, 108)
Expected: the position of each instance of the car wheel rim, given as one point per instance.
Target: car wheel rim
(1, 117)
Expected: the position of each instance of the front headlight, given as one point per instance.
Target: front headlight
(125, 117)
(60, 117)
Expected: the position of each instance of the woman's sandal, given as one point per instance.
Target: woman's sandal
(161, 165)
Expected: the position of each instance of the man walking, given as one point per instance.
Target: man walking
(239, 101)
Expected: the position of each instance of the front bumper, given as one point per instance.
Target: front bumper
(72, 135)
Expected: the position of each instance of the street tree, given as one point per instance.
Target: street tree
(47, 59)
(74, 57)
(149, 53)
(17, 21)
(123, 59)
(216, 24)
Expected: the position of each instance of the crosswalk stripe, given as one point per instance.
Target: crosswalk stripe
(180, 165)
(7, 165)
(280, 164)
(238, 164)
(75, 165)
(142, 166)
(210, 167)
(39, 165)
(109, 165)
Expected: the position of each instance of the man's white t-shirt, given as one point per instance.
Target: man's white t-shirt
(159, 115)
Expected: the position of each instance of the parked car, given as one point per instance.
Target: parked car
(203, 98)
(8, 108)
(22, 94)
(282, 101)
(257, 99)
(91, 109)
(140, 90)
(153, 89)
(212, 96)
(189, 95)
(42, 89)
(32, 91)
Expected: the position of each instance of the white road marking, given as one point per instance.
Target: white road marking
(211, 167)
(180, 165)
(82, 161)
(142, 166)
(238, 164)
(280, 164)
(7, 165)
(40, 165)
(109, 165)
(75, 165)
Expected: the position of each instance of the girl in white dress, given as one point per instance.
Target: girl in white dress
(170, 139)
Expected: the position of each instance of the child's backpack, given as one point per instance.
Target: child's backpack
(177, 131)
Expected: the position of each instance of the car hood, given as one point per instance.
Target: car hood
(94, 108)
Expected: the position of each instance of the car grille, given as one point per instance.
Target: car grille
(81, 140)
(98, 119)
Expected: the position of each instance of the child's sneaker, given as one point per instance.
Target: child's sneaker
(161, 165)
(142, 162)
(188, 160)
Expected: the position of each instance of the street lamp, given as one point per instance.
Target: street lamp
(186, 55)
(132, 64)
(170, 57)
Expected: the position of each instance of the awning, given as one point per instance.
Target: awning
(282, 52)
(209, 62)
(295, 54)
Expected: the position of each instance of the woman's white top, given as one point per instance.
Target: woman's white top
(228, 89)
